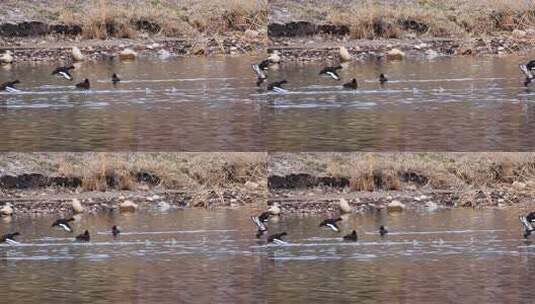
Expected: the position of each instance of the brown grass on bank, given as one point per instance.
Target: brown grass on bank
(120, 171)
(437, 18)
(126, 19)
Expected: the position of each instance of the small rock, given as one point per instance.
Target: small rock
(431, 54)
(275, 57)
(251, 34)
(153, 198)
(163, 206)
(6, 58)
(77, 54)
(163, 54)
(6, 210)
(344, 54)
(274, 209)
(519, 33)
(127, 54)
(77, 206)
(431, 206)
(420, 46)
(519, 185)
(395, 206)
(344, 206)
(128, 206)
(395, 54)
(251, 185)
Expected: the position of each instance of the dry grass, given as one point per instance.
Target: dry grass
(119, 171)
(437, 18)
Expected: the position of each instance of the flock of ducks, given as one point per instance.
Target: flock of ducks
(279, 238)
(62, 223)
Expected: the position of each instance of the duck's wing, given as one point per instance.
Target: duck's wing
(524, 68)
(259, 73)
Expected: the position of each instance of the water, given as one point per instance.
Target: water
(212, 256)
(175, 104)
(446, 104)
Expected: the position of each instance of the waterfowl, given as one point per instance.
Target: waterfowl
(260, 220)
(352, 236)
(83, 85)
(528, 69)
(331, 72)
(63, 72)
(527, 223)
(351, 85)
(64, 224)
(9, 86)
(277, 238)
(115, 79)
(84, 237)
(260, 74)
(274, 209)
(277, 86)
(115, 231)
(382, 231)
(382, 78)
(9, 238)
(331, 223)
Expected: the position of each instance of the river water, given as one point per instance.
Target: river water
(192, 255)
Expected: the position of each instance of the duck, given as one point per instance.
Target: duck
(382, 78)
(260, 220)
(351, 85)
(63, 72)
(9, 86)
(260, 74)
(351, 237)
(9, 238)
(331, 72)
(84, 237)
(277, 238)
(528, 69)
(331, 223)
(115, 79)
(277, 86)
(64, 224)
(274, 209)
(382, 231)
(527, 223)
(83, 85)
(115, 231)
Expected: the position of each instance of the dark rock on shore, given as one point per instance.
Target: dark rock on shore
(302, 180)
(26, 181)
(35, 28)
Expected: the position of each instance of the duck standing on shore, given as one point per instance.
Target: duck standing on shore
(331, 72)
(63, 224)
(9, 86)
(331, 224)
(63, 72)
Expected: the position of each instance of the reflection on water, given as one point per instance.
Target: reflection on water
(453, 104)
(176, 104)
(212, 256)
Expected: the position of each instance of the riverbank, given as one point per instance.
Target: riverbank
(368, 182)
(39, 183)
(49, 29)
(314, 30)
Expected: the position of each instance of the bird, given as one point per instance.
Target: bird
(527, 69)
(277, 238)
(115, 231)
(274, 209)
(115, 79)
(83, 85)
(64, 224)
(259, 222)
(260, 74)
(382, 78)
(84, 237)
(382, 231)
(9, 238)
(351, 237)
(331, 223)
(277, 86)
(9, 86)
(63, 72)
(331, 72)
(351, 85)
(527, 221)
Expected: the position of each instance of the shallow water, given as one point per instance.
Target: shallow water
(213, 256)
(174, 104)
(453, 104)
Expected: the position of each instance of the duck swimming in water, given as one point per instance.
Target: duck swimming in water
(115, 79)
(277, 86)
(331, 72)
(115, 231)
(63, 224)
(382, 79)
(9, 86)
(9, 238)
(331, 223)
(382, 231)
(84, 237)
(63, 72)
(527, 222)
(83, 85)
(351, 237)
(528, 69)
(277, 238)
(351, 85)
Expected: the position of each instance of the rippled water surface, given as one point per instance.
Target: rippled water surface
(213, 256)
(175, 104)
